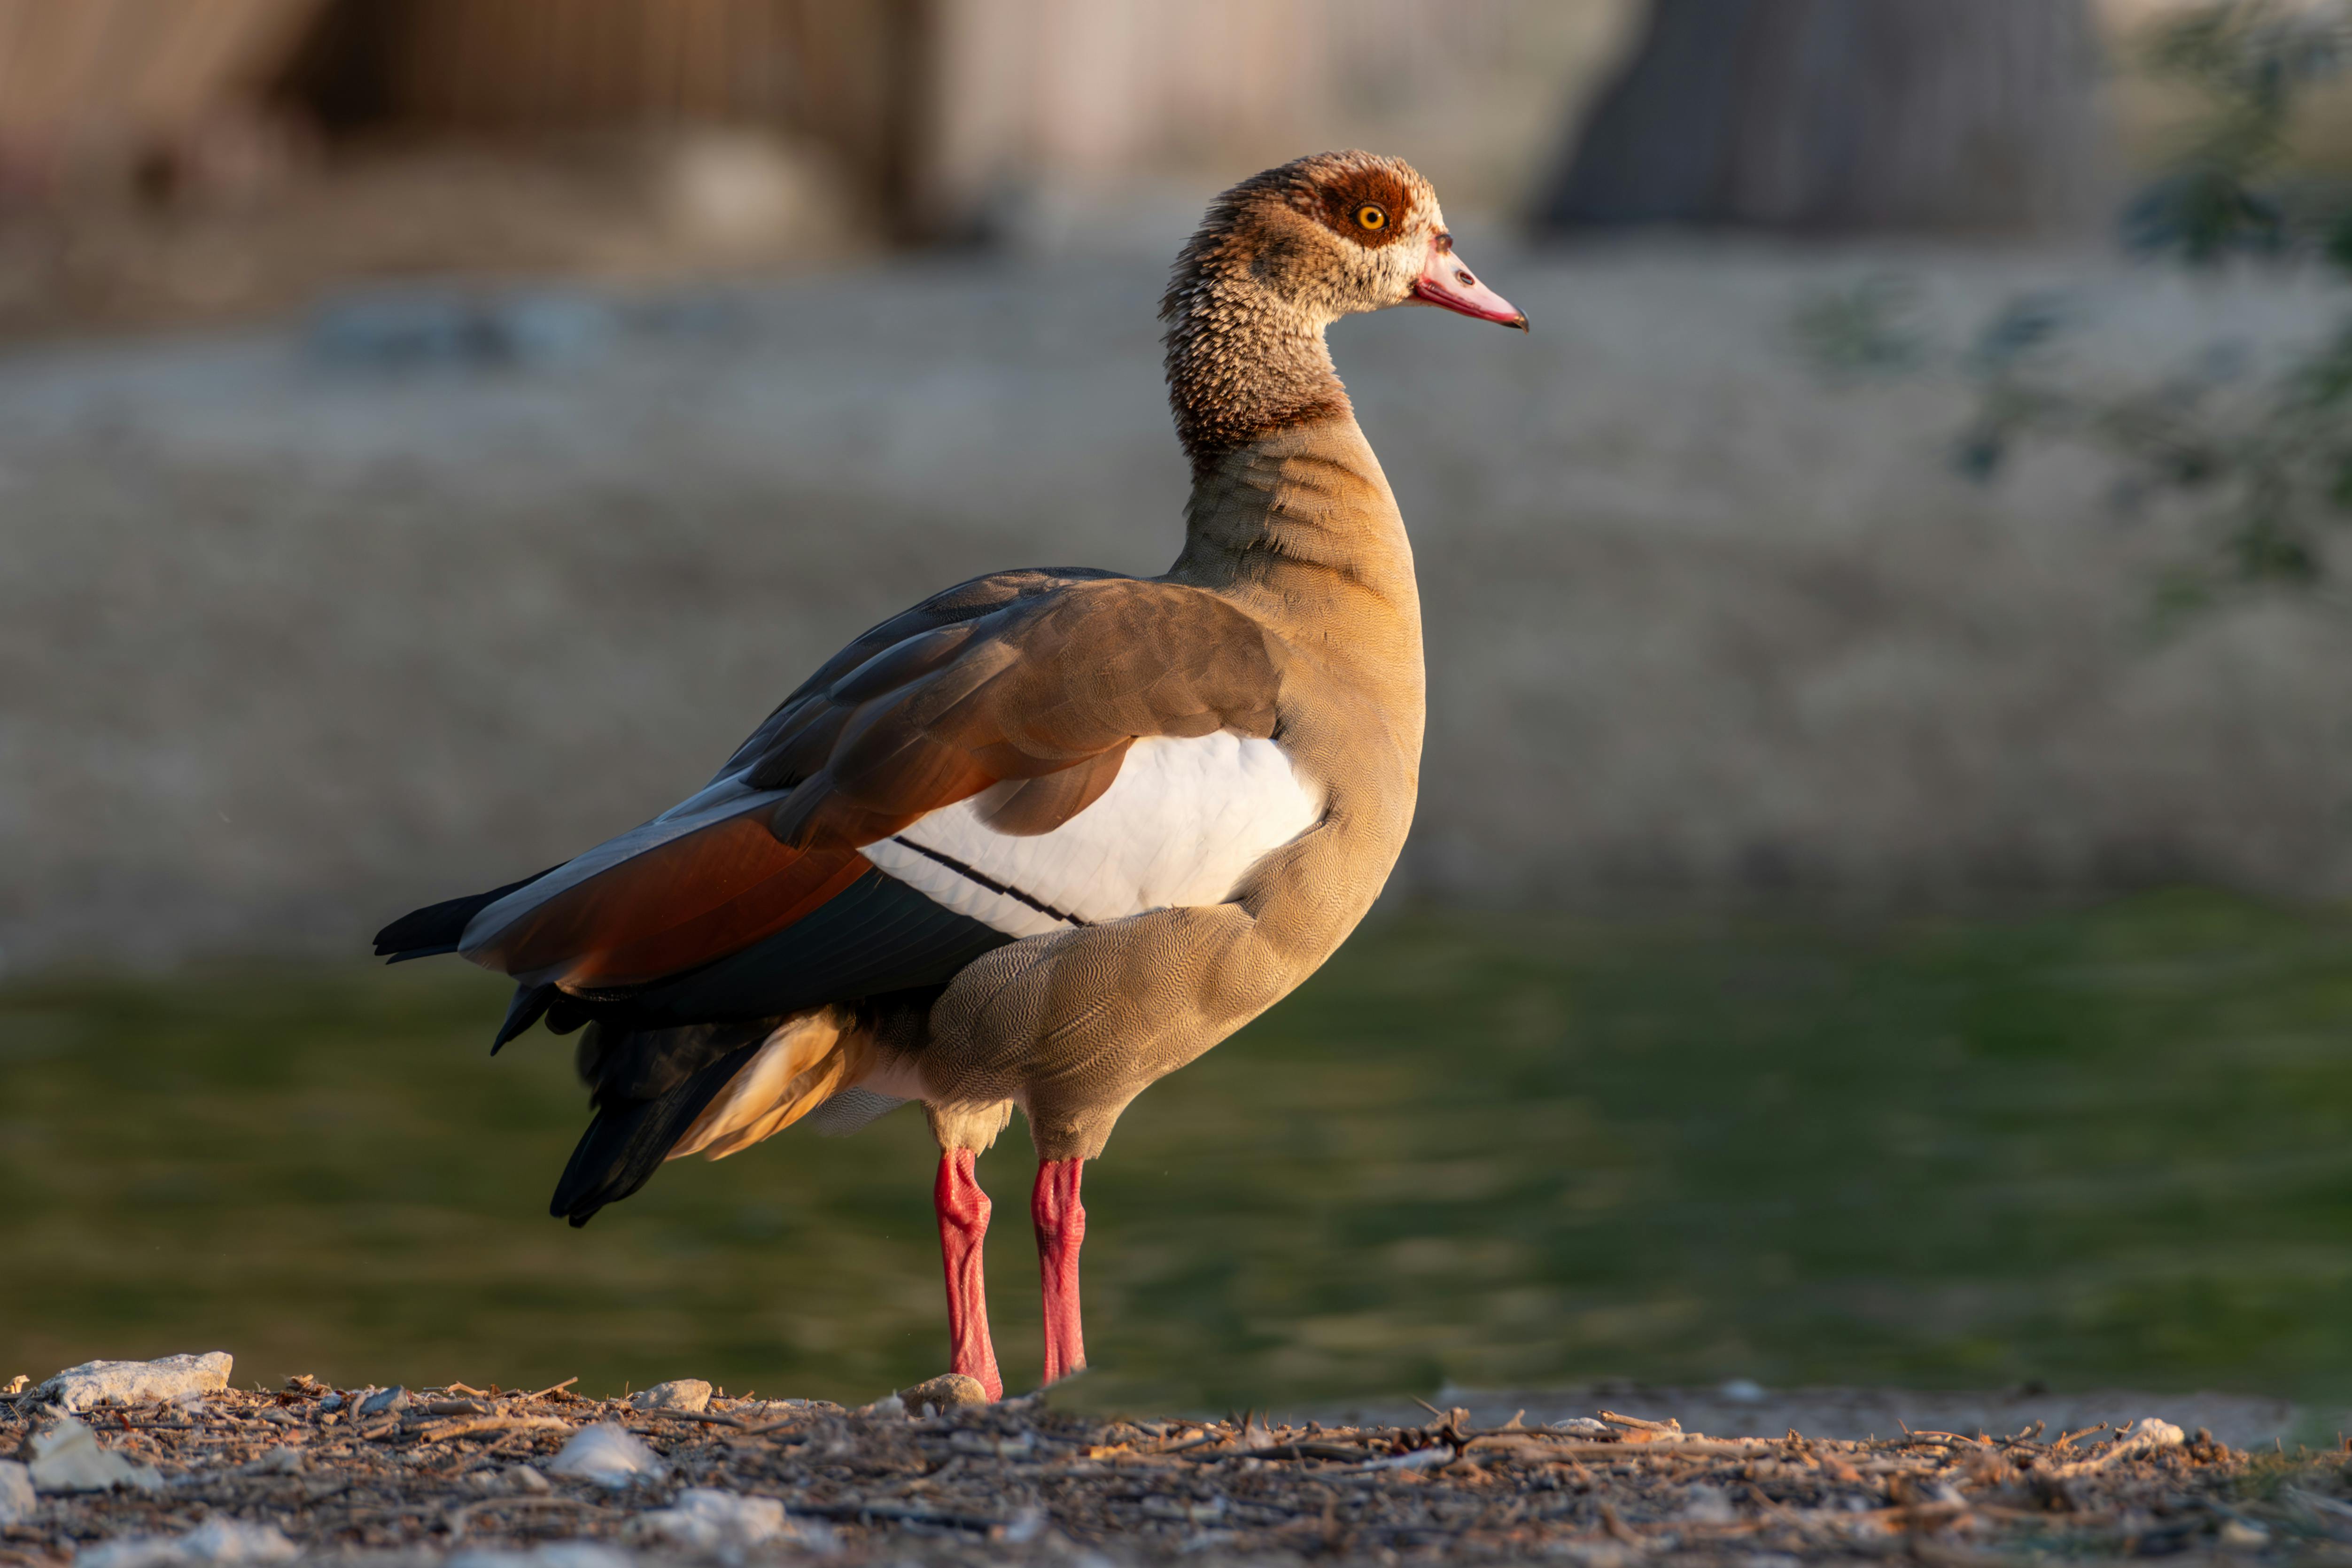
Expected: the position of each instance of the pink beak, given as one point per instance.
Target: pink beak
(1444, 281)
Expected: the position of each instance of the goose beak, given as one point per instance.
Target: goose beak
(1444, 281)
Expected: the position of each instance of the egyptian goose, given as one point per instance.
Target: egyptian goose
(1051, 834)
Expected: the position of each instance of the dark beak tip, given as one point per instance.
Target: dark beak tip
(1522, 323)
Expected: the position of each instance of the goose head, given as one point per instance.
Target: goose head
(1331, 234)
(1278, 259)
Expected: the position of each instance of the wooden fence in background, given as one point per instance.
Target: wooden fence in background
(846, 72)
(98, 80)
(932, 107)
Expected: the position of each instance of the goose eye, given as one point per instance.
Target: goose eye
(1372, 217)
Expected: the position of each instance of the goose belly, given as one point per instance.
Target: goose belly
(1182, 825)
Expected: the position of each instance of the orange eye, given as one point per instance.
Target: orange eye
(1372, 217)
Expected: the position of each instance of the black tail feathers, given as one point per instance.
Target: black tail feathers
(530, 1002)
(630, 1138)
(650, 1083)
(435, 928)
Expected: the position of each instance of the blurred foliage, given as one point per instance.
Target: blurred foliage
(1866, 329)
(2102, 1149)
(2268, 457)
(2249, 63)
(2265, 455)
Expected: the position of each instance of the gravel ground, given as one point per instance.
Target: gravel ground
(472, 1470)
(298, 630)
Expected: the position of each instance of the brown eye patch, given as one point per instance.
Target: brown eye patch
(1368, 206)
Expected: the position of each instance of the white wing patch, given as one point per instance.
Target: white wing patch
(1182, 824)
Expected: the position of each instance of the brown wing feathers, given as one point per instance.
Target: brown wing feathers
(1039, 692)
(1026, 807)
(965, 602)
(1026, 693)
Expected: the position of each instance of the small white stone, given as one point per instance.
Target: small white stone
(16, 1499)
(230, 1540)
(706, 1519)
(96, 1382)
(222, 1542)
(130, 1551)
(690, 1393)
(2146, 1435)
(1704, 1504)
(523, 1478)
(68, 1458)
(578, 1555)
(383, 1401)
(606, 1454)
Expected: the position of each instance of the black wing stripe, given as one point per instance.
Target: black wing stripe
(979, 878)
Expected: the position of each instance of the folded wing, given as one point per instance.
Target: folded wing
(1025, 752)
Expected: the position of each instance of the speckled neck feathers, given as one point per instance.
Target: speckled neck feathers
(1243, 363)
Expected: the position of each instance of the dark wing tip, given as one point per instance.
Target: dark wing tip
(438, 927)
(628, 1140)
(529, 1002)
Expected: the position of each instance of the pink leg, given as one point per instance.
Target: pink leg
(963, 1228)
(1061, 1225)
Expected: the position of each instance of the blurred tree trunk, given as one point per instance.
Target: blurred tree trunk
(1845, 116)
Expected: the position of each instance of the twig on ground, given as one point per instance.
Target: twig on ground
(443, 1431)
(1639, 1424)
(854, 1511)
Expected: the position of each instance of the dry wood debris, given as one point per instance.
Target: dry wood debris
(464, 1470)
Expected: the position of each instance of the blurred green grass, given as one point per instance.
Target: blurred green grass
(2098, 1148)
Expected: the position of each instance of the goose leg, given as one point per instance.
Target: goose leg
(963, 1228)
(1061, 1223)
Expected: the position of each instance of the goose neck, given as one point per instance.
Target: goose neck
(1300, 523)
